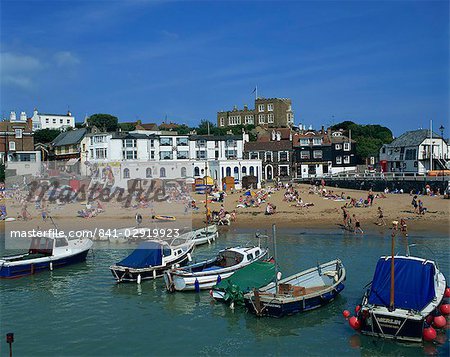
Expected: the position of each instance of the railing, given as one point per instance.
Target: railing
(388, 176)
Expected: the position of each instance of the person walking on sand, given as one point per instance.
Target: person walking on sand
(380, 221)
(403, 227)
(414, 204)
(345, 215)
(358, 228)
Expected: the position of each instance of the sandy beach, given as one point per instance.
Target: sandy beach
(324, 213)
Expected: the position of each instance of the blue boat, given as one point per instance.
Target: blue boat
(47, 252)
(401, 313)
(307, 290)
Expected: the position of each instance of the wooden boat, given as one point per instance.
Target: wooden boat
(255, 275)
(48, 252)
(304, 291)
(419, 289)
(205, 235)
(150, 259)
(206, 274)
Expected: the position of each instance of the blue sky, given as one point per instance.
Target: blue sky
(370, 62)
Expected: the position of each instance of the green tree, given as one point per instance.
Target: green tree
(45, 136)
(127, 126)
(106, 122)
(369, 138)
(183, 129)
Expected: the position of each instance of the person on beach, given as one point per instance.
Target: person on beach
(345, 215)
(357, 225)
(414, 204)
(403, 227)
(422, 209)
(380, 220)
(370, 197)
(208, 215)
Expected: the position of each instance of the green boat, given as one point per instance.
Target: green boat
(231, 290)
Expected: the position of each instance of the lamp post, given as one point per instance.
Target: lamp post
(441, 129)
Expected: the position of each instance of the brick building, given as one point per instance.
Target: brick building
(268, 112)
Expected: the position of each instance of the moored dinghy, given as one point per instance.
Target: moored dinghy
(402, 301)
(205, 235)
(48, 252)
(206, 274)
(304, 291)
(150, 259)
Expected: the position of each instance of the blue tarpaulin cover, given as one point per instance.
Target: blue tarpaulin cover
(147, 254)
(414, 286)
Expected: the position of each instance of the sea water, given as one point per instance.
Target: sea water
(81, 311)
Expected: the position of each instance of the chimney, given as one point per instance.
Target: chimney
(12, 116)
(245, 107)
(323, 130)
(23, 116)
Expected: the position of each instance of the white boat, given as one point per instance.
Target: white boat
(206, 274)
(47, 252)
(150, 259)
(205, 235)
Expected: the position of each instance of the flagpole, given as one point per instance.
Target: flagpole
(256, 92)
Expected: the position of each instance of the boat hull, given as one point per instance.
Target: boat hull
(9, 271)
(392, 326)
(123, 274)
(278, 308)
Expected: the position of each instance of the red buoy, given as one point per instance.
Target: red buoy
(447, 292)
(429, 334)
(357, 308)
(439, 321)
(445, 309)
(354, 323)
(346, 313)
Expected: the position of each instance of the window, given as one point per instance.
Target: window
(270, 118)
(68, 121)
(91, 153)
(248, 119)
(231, 143)
(152, 143)
(196, 171)
(98, 139)
(234, 120)
(317, 141)
(231, 154)
(101, 153)
(317, 154)
(283, 156)
(60, 121)
(162, 172)
(304, 154)
(383, 150)
(270, 107)
(338, 160)
(129, 154)
(201, 155)
(47, 120)
(129, 143)
(165, 141)
(126, 173)
(222, 121)
(410, 154)
(183, 155)
(54, 121)
(60, 242)
(254, 155)
(244, 170)
(261, 107)
(148, 172)
(250, 256)
(261, 119)
(338, 147)
(183, 172)
(304, 142)
(228, 171)
(182, 142)
(201, 143)
(346, 159)
(290, 117)
(18, 133)
(346, 146)
(166, 155)
(269, 156)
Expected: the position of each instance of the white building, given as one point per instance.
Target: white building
(415, 151)
(52, 121)
(150, 154)
(23, 163)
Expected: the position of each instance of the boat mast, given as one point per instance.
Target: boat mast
(206, 188)
(392, 296)
(274, 237)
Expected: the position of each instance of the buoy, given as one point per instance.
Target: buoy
(51, 265)
(354, 323)
(219, 279)
(447, 292)
(346, 313)
(439, 321)
(357, 308)
(139, 279)
(445, 309)
(197, 286)
(429, 334)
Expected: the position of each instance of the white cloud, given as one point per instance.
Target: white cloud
(18, 81)
(66, 58)
(15, 63)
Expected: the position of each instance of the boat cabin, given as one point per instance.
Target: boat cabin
(46, 245)
(230, 257)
